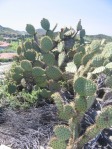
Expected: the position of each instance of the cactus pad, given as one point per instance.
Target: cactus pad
(45, 24)
(108, 81)
(58, 100)
(46, 44)
(26, 65)
(90, 100)
(16, 77)
(30, 55)
(28, 45)
(99, 70)
(60, 46)
(30, 29)
(66, 113)
(50, 34)
(45, 93)
(11, 88)
(57, 144)
(104, 120)
(61, 58)
(95, 44)
(81, 49)
(19, 50)
(82, 33)
(53, 72)
(18, 70)
(109, 66)
(90, 133)
(62, 132)
(49, 58)
(77, 58)
(84, 87)
(80, 104)
(79, 26)
(38, 71)
(71, 67)
(97, 61)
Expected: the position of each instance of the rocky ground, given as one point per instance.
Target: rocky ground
(27, 129)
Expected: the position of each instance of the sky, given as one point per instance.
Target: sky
(96, 15)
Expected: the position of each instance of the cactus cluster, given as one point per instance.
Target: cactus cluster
(57, 61)
(42, 60)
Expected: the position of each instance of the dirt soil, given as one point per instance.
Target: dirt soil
(27, 129)
(7, 55)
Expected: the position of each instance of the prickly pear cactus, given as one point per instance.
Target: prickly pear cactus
(53, 72)
(84, 87)
(45, 24)
(11, 88)
(26, 65)
(30, 29)
(46, 44)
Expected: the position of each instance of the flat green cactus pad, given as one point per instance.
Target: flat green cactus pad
(30, 29)
(49, 58)
(53, 72)
(61, 58)
(46, 44)
(90, 133)
(18, 70)
(26, 65)
(97, 61)
(95, 44)
(80, 104)
(38, 71)
(28, 45)
(11, 88)
(84, 87)
(58, 100)
(19, 50)
(66, 113)
(108, 81)
(45, 24)
(16, 77)
(104, 120)
(62, 132)
(77, 58)
(99, 70)
(30, 55)
(57, 144)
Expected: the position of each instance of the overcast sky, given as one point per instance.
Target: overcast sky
(96, 15)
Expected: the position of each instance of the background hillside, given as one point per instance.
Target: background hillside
(9, 31)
